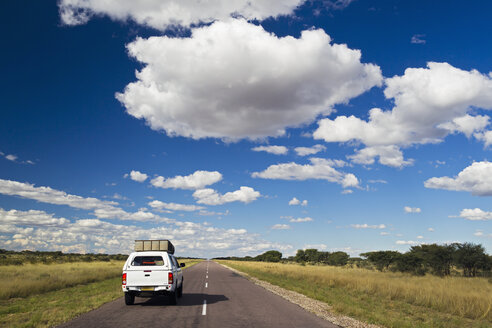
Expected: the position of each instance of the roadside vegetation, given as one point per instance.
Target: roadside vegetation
(56, 287)
(374, 289)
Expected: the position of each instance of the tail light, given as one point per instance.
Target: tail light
(170, 278)
(123, 279)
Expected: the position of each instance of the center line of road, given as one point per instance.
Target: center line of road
(206, 285)
(207, 276)
(204, 311)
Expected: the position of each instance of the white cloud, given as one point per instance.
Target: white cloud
(431, 229)
(211, 197)
(478, 233)
(420, 237)
(476, 178)
(235, 80)
(486, 137)
(161, 14)
(430, 103)
(377, 181)
(407, 242)
(298, 220)
(418, 39)
(304, 151)
(320, 247)
(197, 180)
(51, 196)
(277, 150)
(281, 227)
(367, 226)
(295, 201)
(475, 214)
(384, 233)
(157, 204)
(138, 176)
(45, 232)
(102, 209)
(320, 169)
(12, 158)
(409, 209)
(347, 191)
(31, 218)
(388, 155)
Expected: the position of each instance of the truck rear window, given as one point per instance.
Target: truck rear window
(147, 260)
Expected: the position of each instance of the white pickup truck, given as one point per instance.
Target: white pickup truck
(152, 273)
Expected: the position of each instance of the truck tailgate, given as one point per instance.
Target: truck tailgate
(150, 277)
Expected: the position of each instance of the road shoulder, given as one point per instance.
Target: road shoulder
(316, 307)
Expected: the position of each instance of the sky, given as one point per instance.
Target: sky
(237, 127)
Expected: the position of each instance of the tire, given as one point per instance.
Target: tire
(173, 298)
(129, 298)
(180, 289)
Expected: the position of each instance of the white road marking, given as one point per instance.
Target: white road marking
(204, 311)
(206, 285)
(207, 276)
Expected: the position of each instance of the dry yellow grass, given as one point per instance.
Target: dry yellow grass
(464, 297)
(30, 279)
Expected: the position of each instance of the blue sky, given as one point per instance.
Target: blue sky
(242, 126)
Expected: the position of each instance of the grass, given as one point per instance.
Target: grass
(389, 299)
(31, 279)
(58, 292)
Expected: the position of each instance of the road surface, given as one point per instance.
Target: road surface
(213, 297)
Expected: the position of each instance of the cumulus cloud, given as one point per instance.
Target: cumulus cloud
(320, 169)
(51, 196)
(388, 155)
(476, 178)
(305, 151)
(37, 230)
(409, 209)
(138, 176)
(475, 214)
(102, 209)
(197, 180)
(31, 218)
(306, 219)
(157, 204)
(408, 242)
(211, 197)
(430, 103)
(160, 14)
(281, 227)
(277, 150)
(235, 80)
(295, 201)
(367, 226)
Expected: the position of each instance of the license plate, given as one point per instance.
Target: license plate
(147, 289)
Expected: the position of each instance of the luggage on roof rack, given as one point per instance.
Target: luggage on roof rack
(163, 245)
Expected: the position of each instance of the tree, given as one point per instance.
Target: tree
(338, 258)
(411, 263)
(436, 257)
(269, 256)
(312, 255)
(382, 259)
(300, 256)
(470, 257)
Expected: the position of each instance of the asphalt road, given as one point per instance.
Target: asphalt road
(213, 297)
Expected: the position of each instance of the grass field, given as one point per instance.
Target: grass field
(40, 295)
(385, 298)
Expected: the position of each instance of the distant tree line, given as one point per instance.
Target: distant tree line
(435, 259)
(19, 258)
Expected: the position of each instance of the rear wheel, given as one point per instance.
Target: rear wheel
(129, 298)
(173, 298)
(180, 289)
